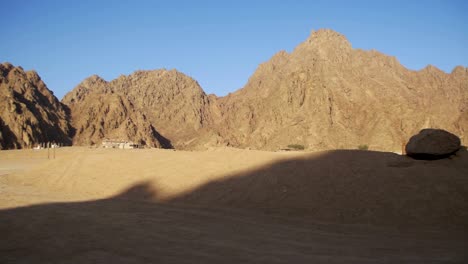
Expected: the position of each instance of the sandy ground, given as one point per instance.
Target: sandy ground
(231, 206)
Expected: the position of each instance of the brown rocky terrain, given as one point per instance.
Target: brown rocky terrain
(327, 95)
(29, 111)
(158, 108)
(323, 95)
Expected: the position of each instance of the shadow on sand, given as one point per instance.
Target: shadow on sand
(340, 207)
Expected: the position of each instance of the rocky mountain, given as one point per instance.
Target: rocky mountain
(157, 108)
(29, 112)
(327, 95)
(322, 95)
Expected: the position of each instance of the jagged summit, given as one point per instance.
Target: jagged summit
(324, 42)
(322, 36)
(95, 78)
(5, 67)
(459, 70)
(433, 69)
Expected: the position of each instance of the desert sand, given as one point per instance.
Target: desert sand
(228, 205)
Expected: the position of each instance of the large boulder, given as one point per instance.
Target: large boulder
(432, 144)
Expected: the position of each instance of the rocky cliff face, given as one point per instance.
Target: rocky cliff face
(327, 95)
(29, 112)
(155, 108)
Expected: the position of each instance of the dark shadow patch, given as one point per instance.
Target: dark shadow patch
(424, 156)
(8, 139)
(346, 187)
(45, 131)
(165, 142)
(71, 129)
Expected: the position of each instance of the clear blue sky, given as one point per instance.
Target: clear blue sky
(218, 43)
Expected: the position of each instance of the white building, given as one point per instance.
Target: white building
(121, 144)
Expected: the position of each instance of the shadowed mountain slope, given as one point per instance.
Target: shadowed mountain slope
(29, 112)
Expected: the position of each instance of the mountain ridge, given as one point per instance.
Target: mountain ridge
(323, 94)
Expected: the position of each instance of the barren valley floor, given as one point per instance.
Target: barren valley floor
(231, 206)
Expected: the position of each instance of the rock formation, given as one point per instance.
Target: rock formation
(155, 108)
(432, 144)
(29, 112)
(322, 95)
(327, 95)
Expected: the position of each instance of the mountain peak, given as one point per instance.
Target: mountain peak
(91, 80)
(327, 37)
(432, 69)
(6, 66)
(95, 78)
(325, 45)
(459, 70)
